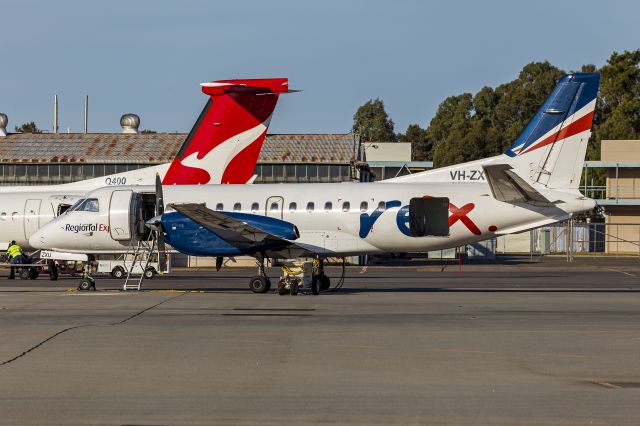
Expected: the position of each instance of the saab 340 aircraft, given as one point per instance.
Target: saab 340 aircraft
(534, 183)
(222, 147)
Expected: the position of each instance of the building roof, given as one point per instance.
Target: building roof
(156, 148)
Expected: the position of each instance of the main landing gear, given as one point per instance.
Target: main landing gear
(260, 283)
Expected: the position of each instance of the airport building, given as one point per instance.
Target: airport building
(56, 158)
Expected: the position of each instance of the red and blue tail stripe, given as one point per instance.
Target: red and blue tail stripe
(567, 111)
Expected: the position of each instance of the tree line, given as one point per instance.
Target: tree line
(471, 126)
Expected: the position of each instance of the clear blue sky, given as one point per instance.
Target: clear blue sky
(149, 57)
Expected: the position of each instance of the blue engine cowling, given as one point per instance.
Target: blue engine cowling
(191, 238)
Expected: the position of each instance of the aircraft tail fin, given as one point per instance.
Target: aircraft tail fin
(551, 149)
(224, 143)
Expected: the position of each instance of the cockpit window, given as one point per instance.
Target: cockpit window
(75, 205)
(85, 205)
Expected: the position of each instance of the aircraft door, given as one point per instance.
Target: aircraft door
(429, 217)
(31, 217)
(274, 206)
(120, 215)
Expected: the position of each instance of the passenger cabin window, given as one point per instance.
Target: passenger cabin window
(346, 206)
(328, 206)
(364, 206)
(293, 207)
(3, 216)
(310, 206)
(255, 207)
(237, 207)
(382, 206)
(219, 207)
(274, 207)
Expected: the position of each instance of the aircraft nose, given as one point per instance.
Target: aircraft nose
(38, 240)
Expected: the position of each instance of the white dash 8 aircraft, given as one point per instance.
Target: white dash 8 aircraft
(533, 184)
(222, 147)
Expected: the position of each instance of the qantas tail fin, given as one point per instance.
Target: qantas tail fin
(551, 149)
(224, 144)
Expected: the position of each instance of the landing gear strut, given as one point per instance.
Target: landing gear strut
(260, 283)
(87, 282)
(323, 281)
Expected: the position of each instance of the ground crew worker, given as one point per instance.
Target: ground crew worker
(14, 252)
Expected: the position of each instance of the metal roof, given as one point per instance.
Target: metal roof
(156, 148)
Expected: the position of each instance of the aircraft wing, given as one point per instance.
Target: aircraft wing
(507, 186)
(239, 229)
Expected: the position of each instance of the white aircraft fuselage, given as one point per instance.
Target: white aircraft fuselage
(362, 218)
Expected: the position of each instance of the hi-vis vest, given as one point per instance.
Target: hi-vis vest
(14, 250)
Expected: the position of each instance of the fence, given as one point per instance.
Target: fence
(572, 238)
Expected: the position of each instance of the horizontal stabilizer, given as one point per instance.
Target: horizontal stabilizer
(507, 186)
(250, 85)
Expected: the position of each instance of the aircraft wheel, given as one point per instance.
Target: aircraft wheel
(24, 274)
(315, 285)
(117, 273)
(259, 284)
(87, 284)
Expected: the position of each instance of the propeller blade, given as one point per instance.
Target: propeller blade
(159, 196)
(162, 255)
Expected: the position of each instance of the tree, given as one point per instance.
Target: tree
(417, 137)
(467, 127)
(372, 122)
(29, 127)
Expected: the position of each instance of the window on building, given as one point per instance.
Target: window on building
(219, 207)
(32, 170)
(301, 170)
(237, 207)
(65, 170)
(109, 169)
(346, 206)
(87, 170)
(382, 206)
(21, 170)
(312, 172)
(293, 207)
(345, 172)
(255, 207)
(267, 171)
(310, 206)
(334, 171)
(43, 170)
(364, 206)
(278, 171)
(328, 206)
(290, 170)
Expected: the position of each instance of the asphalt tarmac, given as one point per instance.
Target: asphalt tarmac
(424, 343)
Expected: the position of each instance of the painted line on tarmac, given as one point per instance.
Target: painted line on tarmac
(629, 274)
